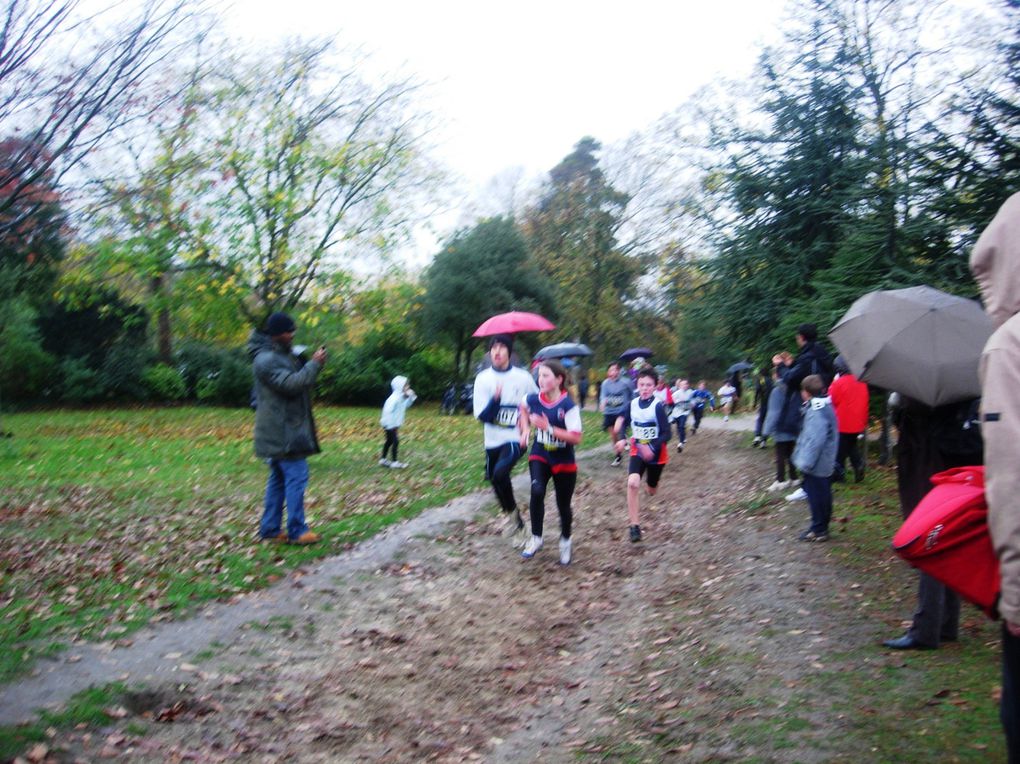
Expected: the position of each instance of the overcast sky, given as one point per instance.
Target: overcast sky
(518, 84)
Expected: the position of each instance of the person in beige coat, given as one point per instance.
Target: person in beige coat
(995, 263)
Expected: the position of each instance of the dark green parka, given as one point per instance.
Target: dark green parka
(284, 427)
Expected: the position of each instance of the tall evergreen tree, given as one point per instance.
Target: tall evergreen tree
(573, 235)
(789, 187)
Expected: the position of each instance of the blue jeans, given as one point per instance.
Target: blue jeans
(819, 496)
(681, 428)
(287, 481)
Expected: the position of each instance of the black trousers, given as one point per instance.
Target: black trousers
(499, 463)
(938, 612)
(1009, 706)
(848, 448)
(784, 452)
(563, 484)
(392, 441)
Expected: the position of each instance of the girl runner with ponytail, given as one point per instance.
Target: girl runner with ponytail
(557, 421)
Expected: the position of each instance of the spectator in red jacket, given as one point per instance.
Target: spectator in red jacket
(850, 401)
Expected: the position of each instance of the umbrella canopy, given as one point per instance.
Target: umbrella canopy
(739, 366)
(919, 341)
(513, 322)
(564, 350)
(631, 353)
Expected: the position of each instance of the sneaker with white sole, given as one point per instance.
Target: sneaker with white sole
(617, 461)
(514, 523)
(799, 495)
(385, 462)
(565, 551)
(397, 465)
(778, 485)
(810, 535)
(533, 545)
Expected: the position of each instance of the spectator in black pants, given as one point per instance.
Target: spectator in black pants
(931, 440)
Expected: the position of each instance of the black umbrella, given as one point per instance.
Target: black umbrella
(564, 350)
(740, 366)
(631, 353)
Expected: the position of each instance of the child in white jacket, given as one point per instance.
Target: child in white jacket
(393, 411)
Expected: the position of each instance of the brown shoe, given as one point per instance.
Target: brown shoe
(279, 538)
(306, 538)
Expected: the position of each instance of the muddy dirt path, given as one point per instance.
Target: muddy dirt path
(437, 642)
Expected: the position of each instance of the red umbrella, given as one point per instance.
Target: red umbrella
(514, 321)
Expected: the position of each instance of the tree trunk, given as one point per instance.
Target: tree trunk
(165, 338)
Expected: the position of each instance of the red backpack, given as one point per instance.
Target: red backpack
(946, 536)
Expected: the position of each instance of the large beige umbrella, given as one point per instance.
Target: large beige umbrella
(919, 341)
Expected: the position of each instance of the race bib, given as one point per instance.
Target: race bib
(614, 401)
(507, 416)
(550, 443)
(645, 434)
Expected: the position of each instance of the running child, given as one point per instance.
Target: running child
(614, 396)
(499, 391)
(557, 421)
(727, 393)
(649, 427)
(682, 394)
(392, 419)
(699, 399)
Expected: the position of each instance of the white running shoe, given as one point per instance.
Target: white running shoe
(778, 485)
(726, 417)
(385, 462)
(565, 551)
(397, 465)
(799, 495)
(533, 545)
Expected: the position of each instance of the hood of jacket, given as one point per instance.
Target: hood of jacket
(995, 263)
(398, 383)
(258, 341)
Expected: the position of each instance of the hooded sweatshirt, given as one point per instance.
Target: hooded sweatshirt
(396, 405)
(995, 263)
(815, 452)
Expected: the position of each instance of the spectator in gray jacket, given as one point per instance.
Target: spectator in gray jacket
(284, 428)
(815, 455)
(782, 423)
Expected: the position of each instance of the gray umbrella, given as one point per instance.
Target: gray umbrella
(919, 341)
(564, 350)
(739, 366)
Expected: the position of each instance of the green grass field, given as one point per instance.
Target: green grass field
(113, 519)
(939, 705)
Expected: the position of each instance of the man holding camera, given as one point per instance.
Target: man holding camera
(284, 427)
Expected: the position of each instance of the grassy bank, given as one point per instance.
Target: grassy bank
(113, 519)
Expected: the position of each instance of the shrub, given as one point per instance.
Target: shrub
(230, 384)
(122, 370)
(26, 370)
(164, 383)
(79, 383)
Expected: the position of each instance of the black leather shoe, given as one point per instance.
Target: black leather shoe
(906, 642)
